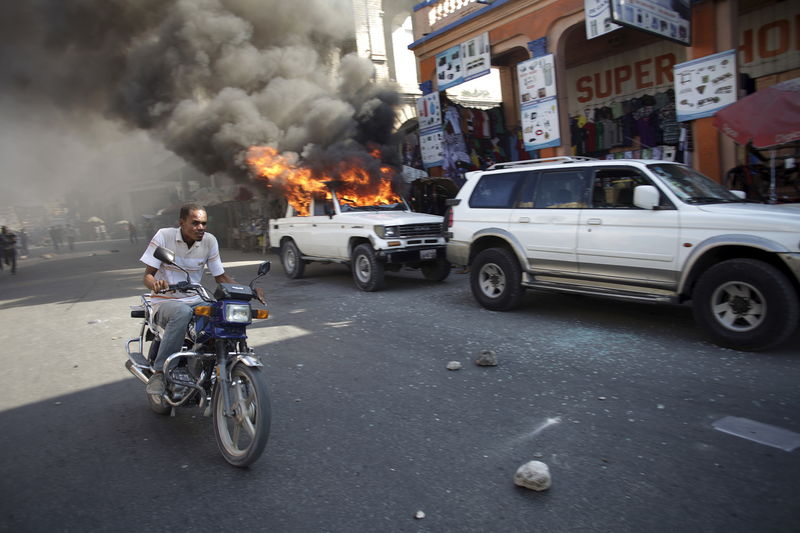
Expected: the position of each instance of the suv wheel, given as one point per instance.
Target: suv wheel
(292, 261)
(745, 304)
(495, 279)
(367, 270)
(436, 270)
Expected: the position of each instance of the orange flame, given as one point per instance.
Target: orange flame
(353, 183)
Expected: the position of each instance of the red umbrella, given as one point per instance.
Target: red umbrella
(768, 117)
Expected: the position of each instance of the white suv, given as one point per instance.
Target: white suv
(640, 230)
(371, 239)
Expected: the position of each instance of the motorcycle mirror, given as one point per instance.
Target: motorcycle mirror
(263, 268)
(164, 255)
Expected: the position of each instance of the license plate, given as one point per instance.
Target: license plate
(427, 254)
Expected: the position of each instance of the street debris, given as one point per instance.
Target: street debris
(534, 475)
(419, 515)
(454, 365)
(486, 358)
(97, 321)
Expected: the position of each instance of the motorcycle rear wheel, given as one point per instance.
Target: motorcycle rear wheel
(242, 437)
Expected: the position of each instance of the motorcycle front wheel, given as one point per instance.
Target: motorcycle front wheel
(241, 438)
(159, 405)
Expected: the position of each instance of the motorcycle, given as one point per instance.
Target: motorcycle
(215, 371)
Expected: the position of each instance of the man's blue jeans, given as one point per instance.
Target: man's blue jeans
(174, 317)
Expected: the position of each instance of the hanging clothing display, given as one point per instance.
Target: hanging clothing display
(644, 125)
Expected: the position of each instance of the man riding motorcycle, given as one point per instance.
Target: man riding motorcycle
(194, 250)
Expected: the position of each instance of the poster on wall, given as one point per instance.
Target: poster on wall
(476, 57)
(537, 79)
(598, 18)
(670, 19)
(704, 86)
(538, 104)
(429, 111)
(448, 68)
(540, 124)
(432, 148)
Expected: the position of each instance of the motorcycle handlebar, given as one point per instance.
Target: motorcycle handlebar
(185, 286)
(181, 286)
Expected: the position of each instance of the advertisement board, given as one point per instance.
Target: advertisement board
(464, 62)
(432, 148)
(670, 19)
(429, 111)
(537, 79)
(704, 86)
(538, 103)
(598, 18)
(476, 57)
(540, 124)
(448, 68)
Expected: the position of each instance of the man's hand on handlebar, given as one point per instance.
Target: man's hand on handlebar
(160, 285)
(260, 296)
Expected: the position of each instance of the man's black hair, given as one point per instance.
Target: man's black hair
(188, 208)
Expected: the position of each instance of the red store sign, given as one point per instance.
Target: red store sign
(644, 70)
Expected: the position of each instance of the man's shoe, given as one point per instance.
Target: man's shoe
(156, 384)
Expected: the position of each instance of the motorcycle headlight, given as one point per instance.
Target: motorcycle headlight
(386, 231)
(239, 313)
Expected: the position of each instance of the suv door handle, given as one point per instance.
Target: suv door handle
(524, 220)
(594, 221)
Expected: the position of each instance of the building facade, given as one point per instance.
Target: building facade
(614, 92)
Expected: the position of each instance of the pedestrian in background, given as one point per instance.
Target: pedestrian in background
(23, 241)
(54, 238)
(132, 233)
(8, 246)
(71, 233)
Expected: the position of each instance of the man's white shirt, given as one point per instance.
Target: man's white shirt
(203, 253)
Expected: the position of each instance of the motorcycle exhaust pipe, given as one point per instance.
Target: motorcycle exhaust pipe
(136, 371)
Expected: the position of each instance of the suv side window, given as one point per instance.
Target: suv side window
(613, 188)
(562, 189)
(495, 190)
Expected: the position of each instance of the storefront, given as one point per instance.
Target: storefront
(604, 90)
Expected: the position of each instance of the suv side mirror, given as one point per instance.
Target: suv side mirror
(164, 255)
(329, 210)
(646, 196)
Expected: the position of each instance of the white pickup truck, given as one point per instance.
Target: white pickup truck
(371, 239)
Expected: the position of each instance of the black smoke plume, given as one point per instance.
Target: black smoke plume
(207, 78)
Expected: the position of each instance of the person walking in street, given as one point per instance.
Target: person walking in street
(132, 233)
(194, 251)
(9, 248)
(55, 238)
(72, 233)
(23, 242)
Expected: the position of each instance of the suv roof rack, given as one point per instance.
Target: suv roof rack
(557, 159)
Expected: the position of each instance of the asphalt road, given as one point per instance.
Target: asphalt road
(369, 426)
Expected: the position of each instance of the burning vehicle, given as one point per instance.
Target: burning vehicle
(349, 213)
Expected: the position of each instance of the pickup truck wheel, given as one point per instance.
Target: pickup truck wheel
(745, 304)
(495, 277)
(292, 261)
(436, 270)
(367, 270)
